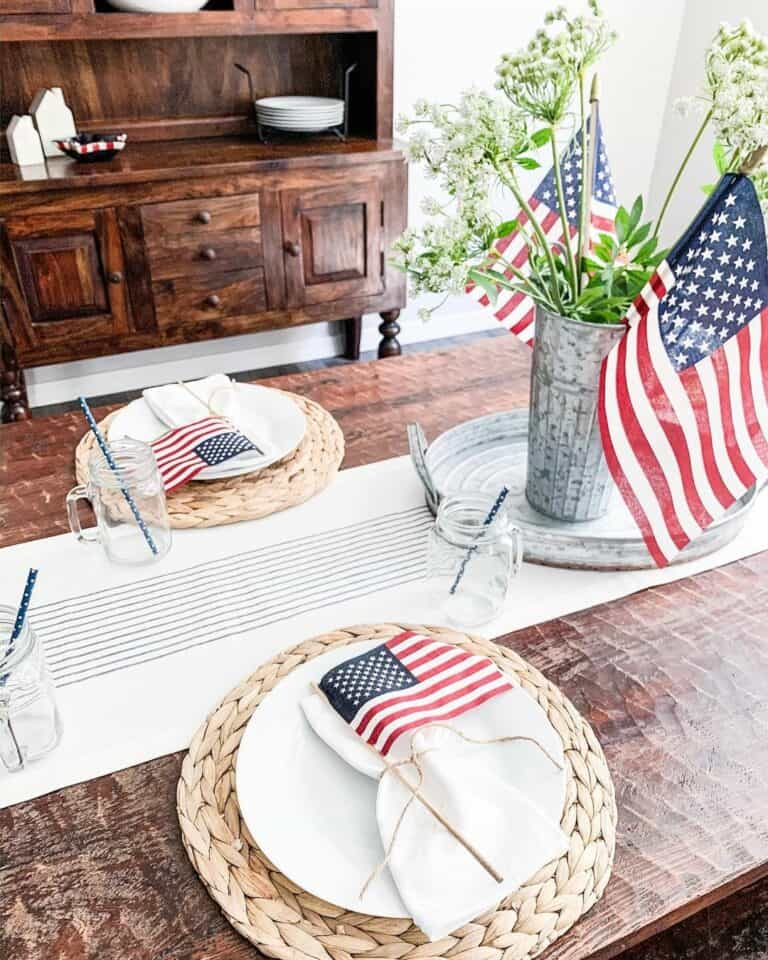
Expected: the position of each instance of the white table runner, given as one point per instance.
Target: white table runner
(140, 656)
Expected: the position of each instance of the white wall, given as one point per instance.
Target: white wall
(701, 21)
(441, 48)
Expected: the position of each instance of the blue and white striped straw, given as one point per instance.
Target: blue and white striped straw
(486, 523)
(21, 616)
(116, 470)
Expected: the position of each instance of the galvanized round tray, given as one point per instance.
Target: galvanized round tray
(490, 452)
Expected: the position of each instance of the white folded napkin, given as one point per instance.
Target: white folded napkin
(484, 791)
(176, 405)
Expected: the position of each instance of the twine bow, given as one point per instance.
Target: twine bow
(414, 759)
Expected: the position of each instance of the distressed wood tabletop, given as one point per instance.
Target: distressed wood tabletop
(674, 681)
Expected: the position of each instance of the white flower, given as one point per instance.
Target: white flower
(737, 81)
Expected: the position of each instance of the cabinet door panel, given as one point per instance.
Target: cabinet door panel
(71, 280)
(62, 276)
(332, 243)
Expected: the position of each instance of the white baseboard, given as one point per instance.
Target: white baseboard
(145, 368)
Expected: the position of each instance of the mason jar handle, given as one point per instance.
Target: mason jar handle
(516, 536)
(75, 495)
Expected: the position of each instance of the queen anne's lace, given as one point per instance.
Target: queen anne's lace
(737, 80)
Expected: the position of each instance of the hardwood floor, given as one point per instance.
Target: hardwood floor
(277, 371)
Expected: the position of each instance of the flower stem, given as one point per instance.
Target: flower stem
(584, 172)
(564, 217)
(681, 170)
(512, 184)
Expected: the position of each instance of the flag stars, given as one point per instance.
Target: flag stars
(739, 223)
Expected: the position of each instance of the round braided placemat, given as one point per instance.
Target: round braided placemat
(296, 478)
(287, 923)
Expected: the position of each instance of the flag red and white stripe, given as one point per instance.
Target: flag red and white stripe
(683, 447)
(513, 308)
(451, 681)
(175, 452)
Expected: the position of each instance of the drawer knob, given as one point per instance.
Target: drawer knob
(214, 300)
(208, 253)
(204, 216)
(293, 248)
(115, 277)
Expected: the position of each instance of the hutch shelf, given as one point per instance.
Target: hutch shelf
(197, 230)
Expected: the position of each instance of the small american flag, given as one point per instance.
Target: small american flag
(683, 396)
(408, 682)
(515, 309)
(185, 451)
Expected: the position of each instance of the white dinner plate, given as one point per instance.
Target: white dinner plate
(309, 115)
(314, 816)
(314, 121)
(302, 127)
(266, 415)
(298, 103)
(301, 111)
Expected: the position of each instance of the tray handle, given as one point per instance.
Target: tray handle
(418, 446)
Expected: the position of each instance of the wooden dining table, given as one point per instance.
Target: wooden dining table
(673, 679)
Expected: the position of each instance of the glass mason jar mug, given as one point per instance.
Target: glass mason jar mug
(118, 498)
(29, 721)
(471, 562)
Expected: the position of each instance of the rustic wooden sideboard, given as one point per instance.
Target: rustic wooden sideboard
(198, 229)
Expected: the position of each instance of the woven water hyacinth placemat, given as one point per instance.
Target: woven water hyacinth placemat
(296, 478)
(287, 923)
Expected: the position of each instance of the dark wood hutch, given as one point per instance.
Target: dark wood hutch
(198, 230)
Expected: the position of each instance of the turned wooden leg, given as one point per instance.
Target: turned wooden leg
(13, 390)
(353, 331)
(389, 329)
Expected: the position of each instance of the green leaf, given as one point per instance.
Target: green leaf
(541, 137)
(504, 229)
(646, 250)
(708, 188)
(528, 163)
(637, 212)
(720, 158)
(622, 225)
(484, 281)
(639, 235)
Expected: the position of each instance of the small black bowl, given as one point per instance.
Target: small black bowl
(93, 147)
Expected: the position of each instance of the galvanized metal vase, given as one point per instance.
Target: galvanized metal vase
(568, 478)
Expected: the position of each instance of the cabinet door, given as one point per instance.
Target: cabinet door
(332, 241)
(71, 278)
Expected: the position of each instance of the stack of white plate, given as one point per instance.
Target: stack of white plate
(300, 114)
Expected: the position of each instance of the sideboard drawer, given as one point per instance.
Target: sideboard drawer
(182, 302)
(218, 252)
(196, 218)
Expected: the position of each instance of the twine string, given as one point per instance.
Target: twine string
(215, 413)
(414, 759)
